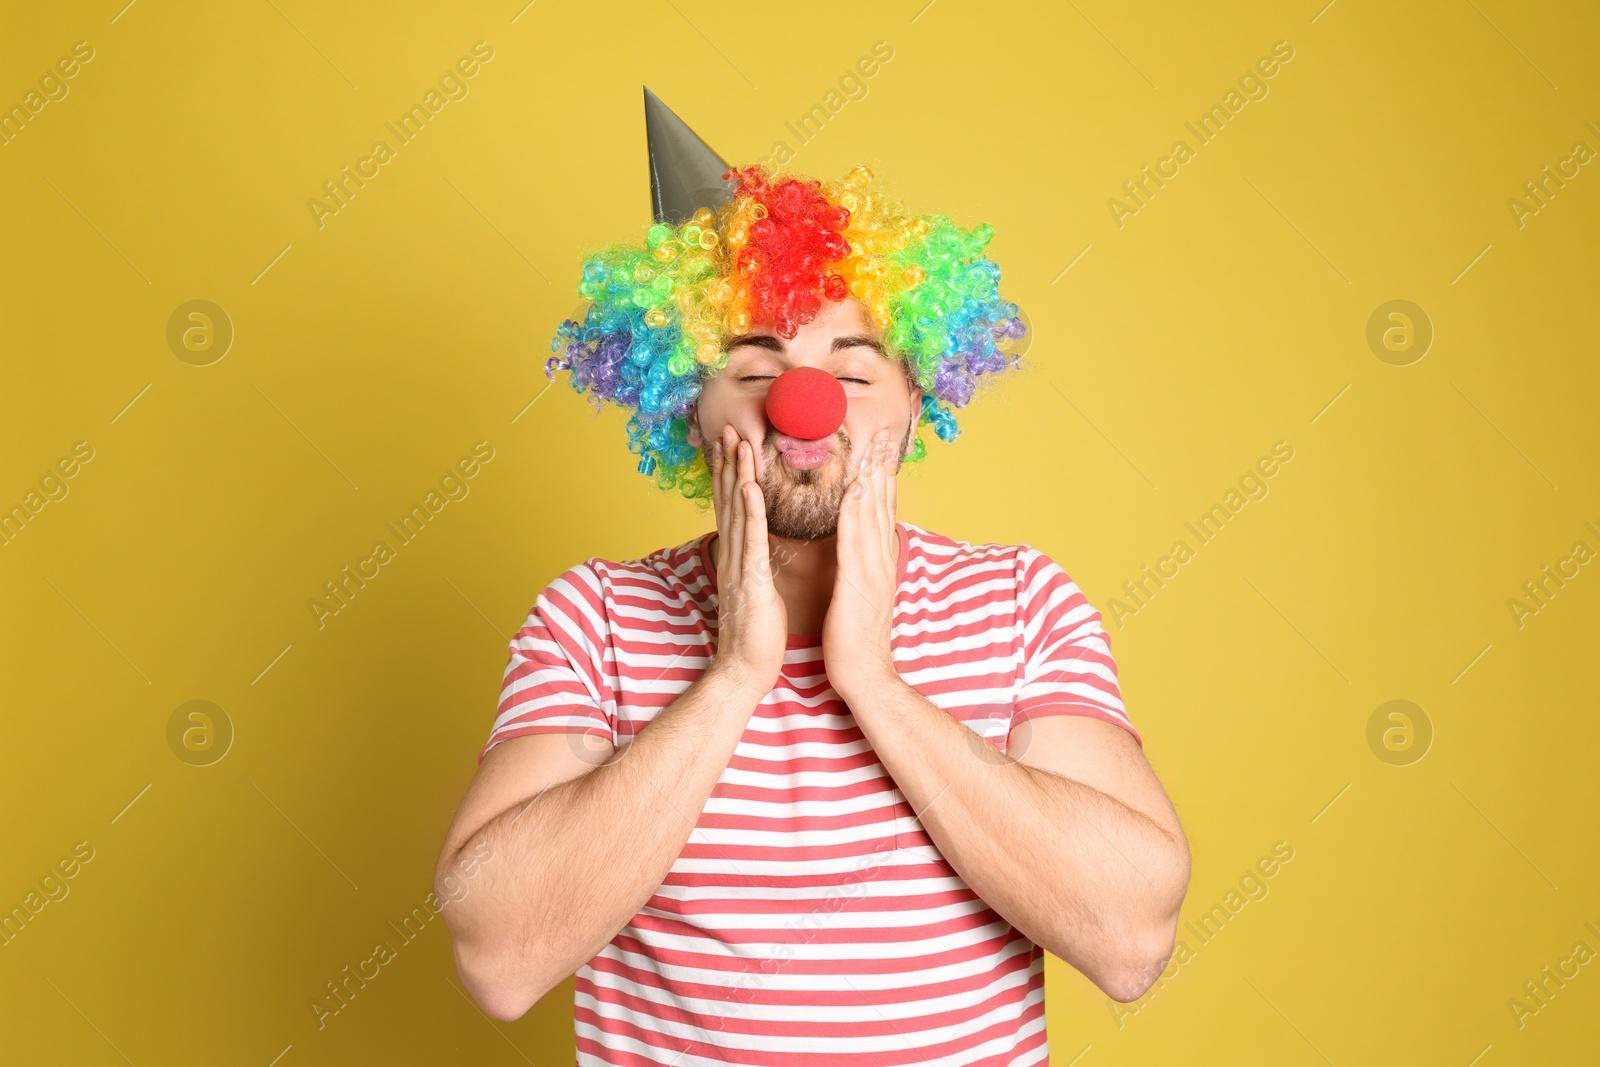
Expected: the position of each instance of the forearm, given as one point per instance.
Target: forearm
(1075, 870)
(575, 863)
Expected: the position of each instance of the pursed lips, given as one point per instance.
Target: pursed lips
(791, 444)
(802, 454)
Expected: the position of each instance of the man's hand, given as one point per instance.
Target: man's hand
(752, 619)
(855, 635)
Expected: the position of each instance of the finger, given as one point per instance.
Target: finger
(894, 481)
(719, 500)
(736, 534)
(880, 491)
(847, 516)
(725, 515)
(730, 461)
(864, 498)
(756, 552)
(730, 478)
(874, 485)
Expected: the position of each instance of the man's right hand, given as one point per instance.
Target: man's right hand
(752, 620)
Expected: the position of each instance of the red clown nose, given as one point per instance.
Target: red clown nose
(806, 403)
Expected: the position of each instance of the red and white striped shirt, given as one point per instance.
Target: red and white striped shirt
(809, 919)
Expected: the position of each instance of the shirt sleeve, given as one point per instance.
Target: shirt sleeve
(555, 679)
(1067, 666)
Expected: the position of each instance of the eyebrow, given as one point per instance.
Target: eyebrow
(774, 344)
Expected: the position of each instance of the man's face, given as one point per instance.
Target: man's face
(804, 489)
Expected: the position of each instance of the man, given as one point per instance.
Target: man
(820, 785)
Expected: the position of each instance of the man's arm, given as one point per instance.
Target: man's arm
(577, 849)
(1095, 873)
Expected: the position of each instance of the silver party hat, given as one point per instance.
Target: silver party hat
(685, 174)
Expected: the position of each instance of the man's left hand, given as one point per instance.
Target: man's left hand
(855, 634)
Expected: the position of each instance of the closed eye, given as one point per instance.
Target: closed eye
(764, 377)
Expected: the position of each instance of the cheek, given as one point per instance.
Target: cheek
(869, 415)
(714, 409)
(746, 414)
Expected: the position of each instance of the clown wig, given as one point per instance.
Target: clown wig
(657, 313)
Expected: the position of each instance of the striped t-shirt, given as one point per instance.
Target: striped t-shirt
(809, 919)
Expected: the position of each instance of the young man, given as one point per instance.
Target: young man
(821, 785)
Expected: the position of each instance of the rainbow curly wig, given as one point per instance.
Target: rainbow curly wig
(652, 331)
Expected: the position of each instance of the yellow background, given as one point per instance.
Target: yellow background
(371, 353)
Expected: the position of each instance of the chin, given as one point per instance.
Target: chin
(803, 512)
(802, 531)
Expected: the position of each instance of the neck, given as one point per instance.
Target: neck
(804, 573)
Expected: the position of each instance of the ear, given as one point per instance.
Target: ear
(909, 444)
(693, 418)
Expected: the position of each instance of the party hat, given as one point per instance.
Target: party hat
(685, 174)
